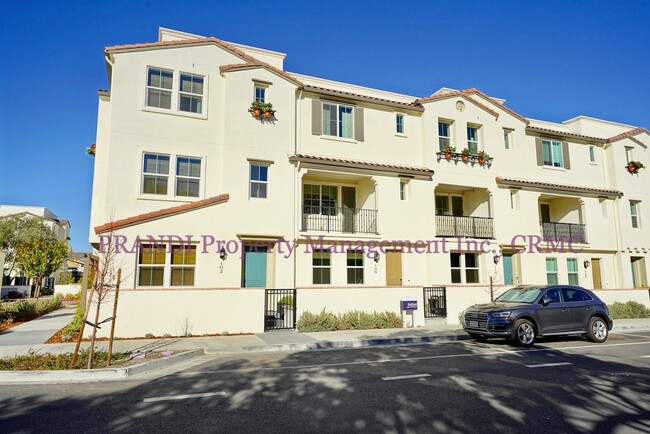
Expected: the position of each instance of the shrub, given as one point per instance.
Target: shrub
(75, 325)
(36, 361)
(351, 320)
(630, 309)
(287, 300)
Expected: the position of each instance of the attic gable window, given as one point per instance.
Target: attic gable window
(159, 88)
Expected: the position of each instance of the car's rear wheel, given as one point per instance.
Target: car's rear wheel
(524, 333)
(597, 331)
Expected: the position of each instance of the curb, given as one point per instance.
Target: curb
(332, 345)
(85, 375)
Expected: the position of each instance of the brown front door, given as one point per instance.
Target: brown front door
(595, 272)
(393, 268)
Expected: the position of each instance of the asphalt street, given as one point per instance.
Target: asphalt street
(560, 385)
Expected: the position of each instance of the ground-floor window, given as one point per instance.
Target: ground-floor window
(551, 271)
(160, 265)
(322, 267)
(464, 267)
(355, 266)
(572, 271)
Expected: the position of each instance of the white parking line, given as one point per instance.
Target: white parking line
(631, 334)
(645, 356)
(179, 397)
(546, 365)
(405, 377)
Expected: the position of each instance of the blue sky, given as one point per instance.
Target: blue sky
(550, 60)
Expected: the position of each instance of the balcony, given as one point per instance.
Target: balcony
(339, 219)
(576, 233)
(469, 227)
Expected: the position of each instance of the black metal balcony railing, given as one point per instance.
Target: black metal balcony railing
(339, 219)
(470, 227)
(576, 233)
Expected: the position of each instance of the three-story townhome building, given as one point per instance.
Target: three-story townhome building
(239, 195)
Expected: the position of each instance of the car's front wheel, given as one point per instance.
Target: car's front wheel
(524, 333)
(597, 331)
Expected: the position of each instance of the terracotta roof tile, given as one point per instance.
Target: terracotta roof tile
(630, 135)
(457, 94)
(129, 221)
(473, 91)
(564, 134)
(413, 105)
(358, 163)
(558, 187)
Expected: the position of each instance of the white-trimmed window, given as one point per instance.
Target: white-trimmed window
(338, 120)
(320, 199)
(551, 271)
(151, 265)
(191, 93)
(355, 267)
(155, 174)
(403, 184)
(464, 267)
(259, 180)
(634, 213)
(472, 139)
(183, 264)
(188, 176)
(159, 88)
(552, 153)
(572, 271)
(507, 138)
(321, 267)
(628, 154)
(399, 123)
(592, 154)
(444, 134)
(260, 93)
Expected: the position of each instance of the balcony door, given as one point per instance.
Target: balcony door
(545, 212)
(449, 205)
(349, 202)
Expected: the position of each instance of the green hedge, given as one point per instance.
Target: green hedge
(630, 309)
(352, 320)
(22, 310)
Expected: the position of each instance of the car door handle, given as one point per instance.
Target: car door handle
(590, 308)
(565, 310)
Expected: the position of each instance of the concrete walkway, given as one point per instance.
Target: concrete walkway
(37, 331)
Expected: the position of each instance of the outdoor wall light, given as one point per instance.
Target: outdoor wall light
(376, 257)
(222, 254)
(496, 259)
(586, 264)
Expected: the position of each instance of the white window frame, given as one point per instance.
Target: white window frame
(187, 177)
(140, 266)
(144, 174)
(173, 266)
(357, 268)
(463, 268)
(190, 94)
(444, 141)
(552, 272)
(322, 267)
(263, 88)
(592, 154)
(400, 122)
(403, 189)
(629, 156)
(635, 214)
(167, 266)
(575, 274)
(552, 145)
(507, 138)
(338, 120)
(473, 145)
(252, 181)
(148, 87)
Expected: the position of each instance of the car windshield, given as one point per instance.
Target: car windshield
(520, 295)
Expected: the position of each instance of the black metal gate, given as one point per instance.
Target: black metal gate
(435, 302)
(280, 309)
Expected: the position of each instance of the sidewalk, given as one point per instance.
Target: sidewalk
(36, 331)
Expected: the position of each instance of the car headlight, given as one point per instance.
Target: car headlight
(501, 314)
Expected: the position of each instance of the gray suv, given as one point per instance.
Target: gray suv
(523, 313)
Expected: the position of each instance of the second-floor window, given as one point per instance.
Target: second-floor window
(634, 213)
(552, 152)
(472, 139)
(399, 123)
(188, 176)
(402, 189)
(186, 179)
(155, 174)
(259, 180)
(320, 199)
(191, 93)
(449, 205)
(444, 134)
(592, 154)
(260, 93)
(159, 88)
(507, 138)
(338, 120)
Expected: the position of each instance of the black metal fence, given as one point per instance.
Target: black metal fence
(553, 231)
(339, 219)
(280, 309)
(435, 302)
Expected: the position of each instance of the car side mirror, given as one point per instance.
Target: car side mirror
(546, 301)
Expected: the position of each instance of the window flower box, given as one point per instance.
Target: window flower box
(261, 110)
(634, 166)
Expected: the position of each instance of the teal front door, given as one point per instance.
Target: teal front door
(507, 269)
(254, 267)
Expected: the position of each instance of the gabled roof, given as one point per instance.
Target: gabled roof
(130, 221)
(322, 90)
(630, 135)
(457, 94)
(564, 134)
(561, 188)
(360, 164)
(473, 91)
(257, 64)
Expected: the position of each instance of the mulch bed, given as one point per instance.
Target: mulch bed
(57, 337)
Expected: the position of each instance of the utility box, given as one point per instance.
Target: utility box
(408, 306)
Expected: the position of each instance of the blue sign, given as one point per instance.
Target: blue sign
(409, 304)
